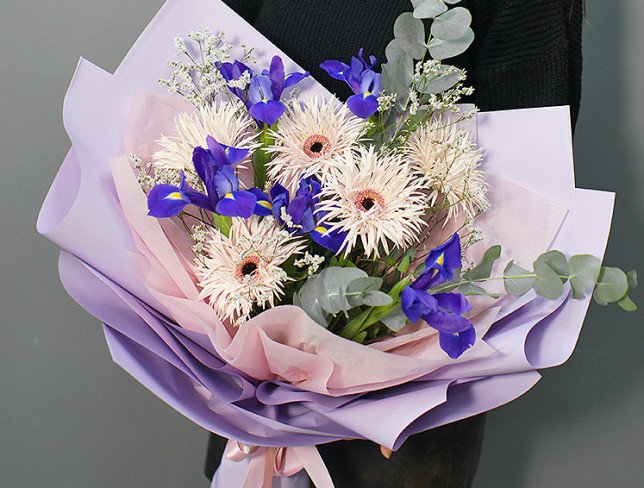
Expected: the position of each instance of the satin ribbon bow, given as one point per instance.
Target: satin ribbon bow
(246, 466)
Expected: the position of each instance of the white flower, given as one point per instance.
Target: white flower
(240, 272)
(226, 121)
(376, 199)
(450, 162)
(311, 139)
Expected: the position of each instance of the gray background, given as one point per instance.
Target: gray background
(71, 418)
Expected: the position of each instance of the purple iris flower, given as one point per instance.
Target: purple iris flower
(362, 79)
(300, 210)
(214, 166)
(442, 311)
(263, 96)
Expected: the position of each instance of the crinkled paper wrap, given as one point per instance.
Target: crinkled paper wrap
(282, 380)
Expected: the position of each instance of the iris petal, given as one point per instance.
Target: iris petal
(237, 204)
(363, 106)
(267, 112)
(456, 343)
(166, 201)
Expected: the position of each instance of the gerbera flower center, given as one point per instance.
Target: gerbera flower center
(248, 267)
(365, 200)
(317, 146)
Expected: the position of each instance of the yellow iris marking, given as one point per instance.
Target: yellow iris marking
(320, 230)
(266, 204)
(441, 259)
(174, 196)
(229, 195)
(366, 94)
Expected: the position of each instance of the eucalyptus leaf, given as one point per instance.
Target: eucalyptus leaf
(358, 288)
(483, 270)
(452, 24)
(627, 304)
(308, 301)
(443, 49)
(583, 271)
(376, 299)
(396, 320)
(631, 277)
(611, 287)
(520, 285)
(440, 83)
(451, 2)
(410, 35)
(548, 283)
(397, 77)
(557, 262)
(429, 9)
(470, 289)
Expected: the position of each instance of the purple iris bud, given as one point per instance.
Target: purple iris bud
(456, 343)
(336, 69)
(232, 72)
(263, 108)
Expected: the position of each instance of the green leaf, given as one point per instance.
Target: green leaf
(358, 288)
(627, 304)
(410, 35)
(429, 9)
(443, 49)
(520, 285)
(470, 289)
(396, 320)
(548, 283)
(611, 287)
(405, 263)
(584, 271)
(483, 270)
(452, 24)
(222, 224)
(360, 337)
(451, 2)
(557, 262)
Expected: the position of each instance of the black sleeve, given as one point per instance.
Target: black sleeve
(248, 9)
(526, 54)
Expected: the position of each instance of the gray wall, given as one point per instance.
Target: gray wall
(71, 418)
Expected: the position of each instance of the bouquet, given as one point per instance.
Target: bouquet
(288, 270)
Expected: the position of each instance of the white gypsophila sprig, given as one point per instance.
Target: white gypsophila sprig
(311, 139)
(375, 198)
(445, 155)
(226, 121)
(310, 261)
(243, 271)
(195, 75)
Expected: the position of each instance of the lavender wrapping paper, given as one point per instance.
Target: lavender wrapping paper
(81, 214)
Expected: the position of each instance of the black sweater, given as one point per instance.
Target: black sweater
(527, 53)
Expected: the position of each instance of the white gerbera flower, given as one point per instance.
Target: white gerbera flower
(376, 199)
(311, 139)
(449, 160)
(242, 271)
(226, 121)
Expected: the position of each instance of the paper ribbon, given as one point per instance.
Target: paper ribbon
(262, 464)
